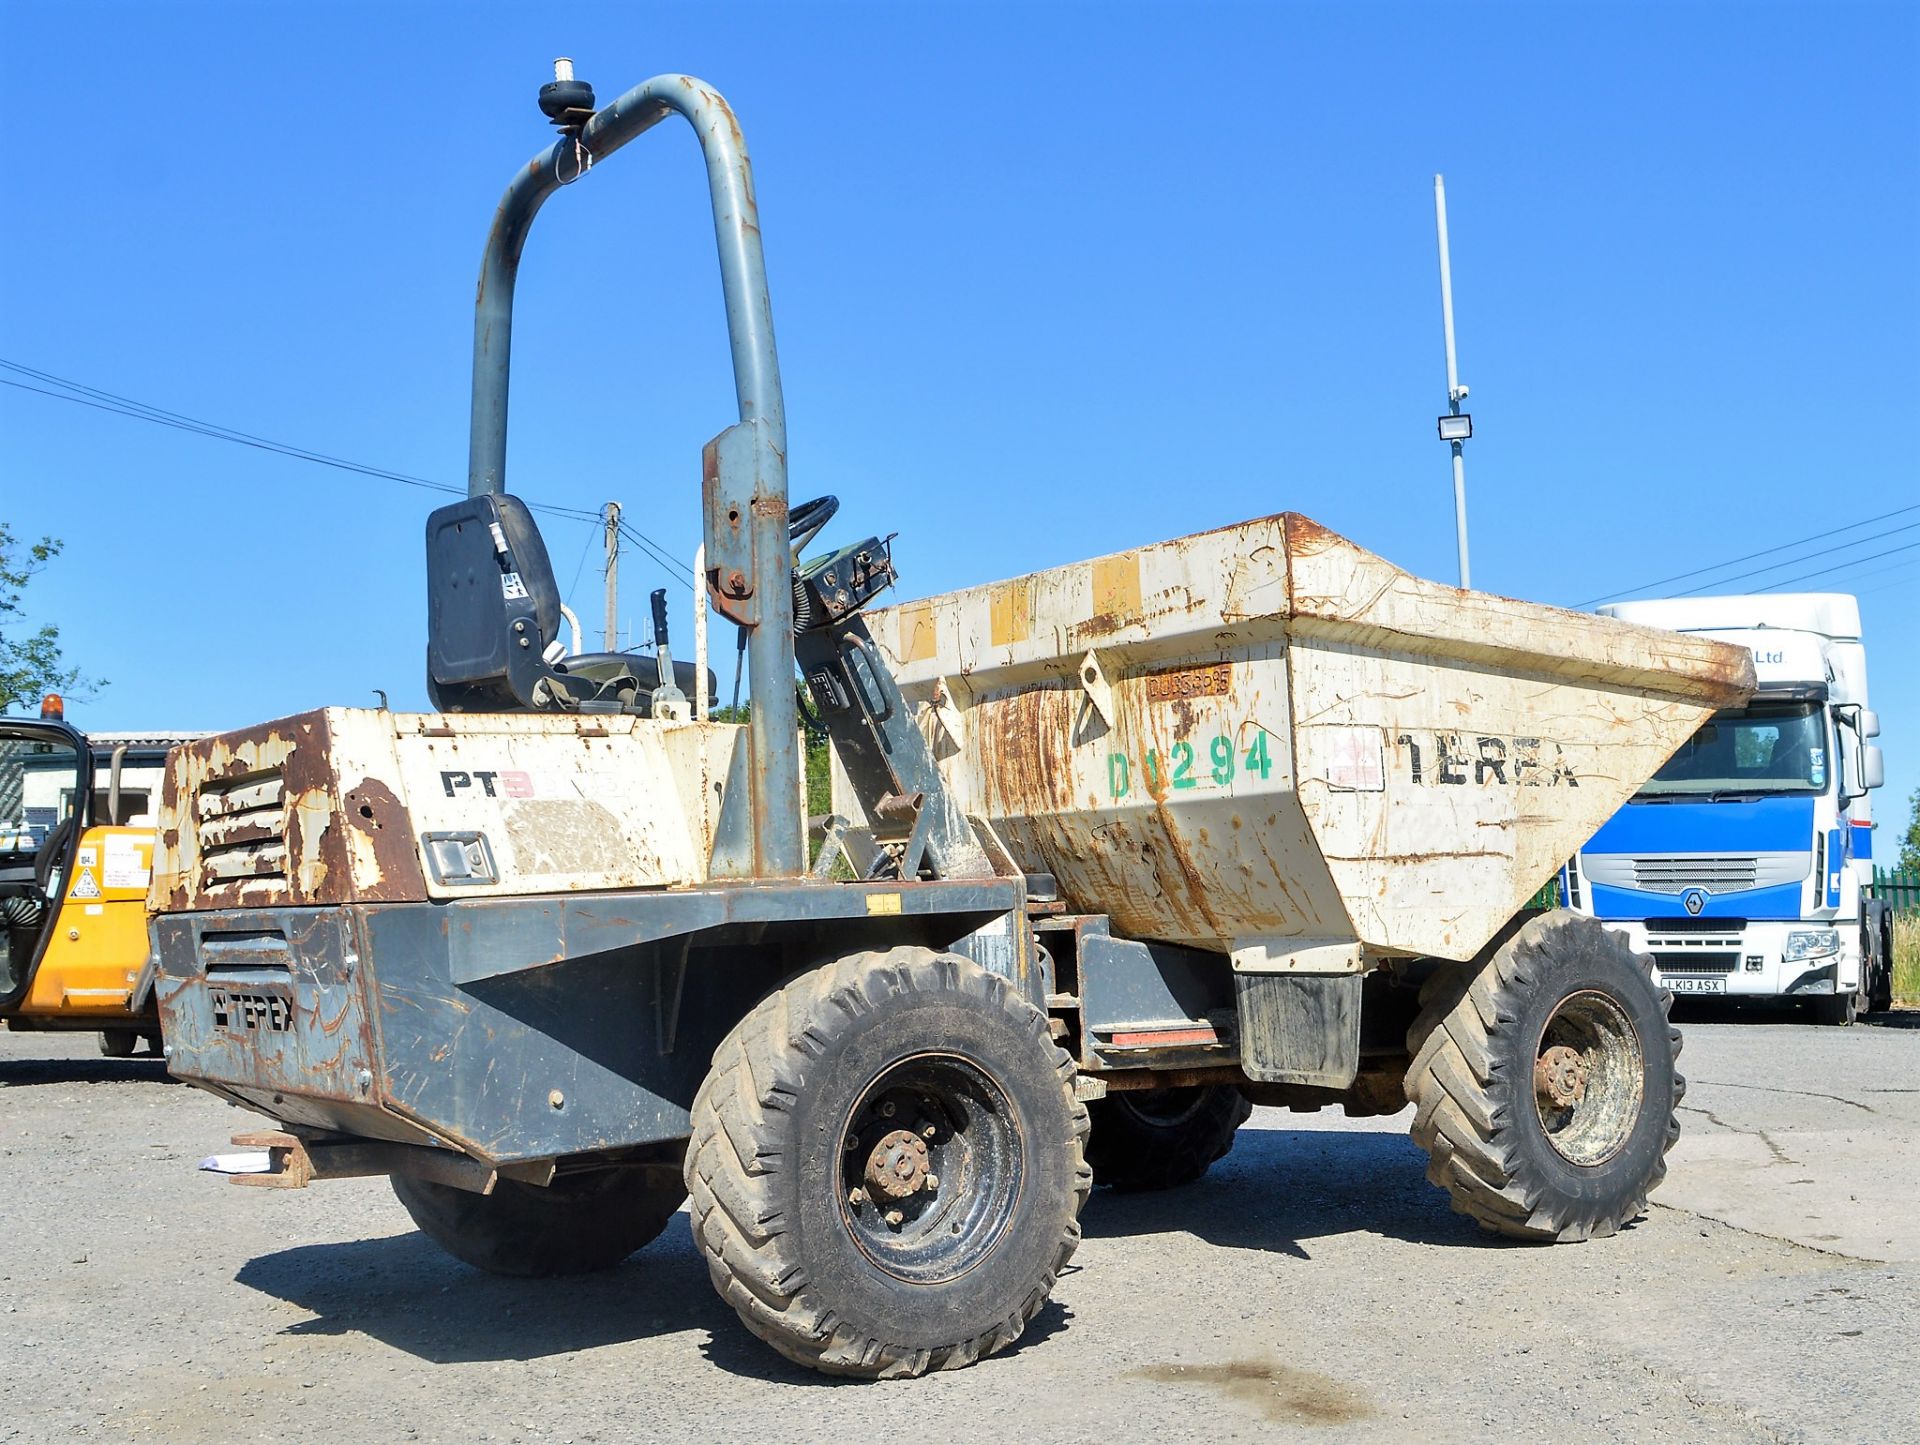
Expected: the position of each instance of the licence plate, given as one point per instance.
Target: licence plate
(1694, 985)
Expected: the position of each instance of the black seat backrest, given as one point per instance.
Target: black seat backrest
(492, 605)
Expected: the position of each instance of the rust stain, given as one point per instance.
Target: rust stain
(252, 818)
(373, 811)
(1183, 684)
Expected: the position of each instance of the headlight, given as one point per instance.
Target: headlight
(1814, 943)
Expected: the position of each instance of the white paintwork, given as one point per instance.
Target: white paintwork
(1532, 724)
(634, 806)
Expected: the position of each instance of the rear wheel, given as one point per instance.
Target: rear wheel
(887, 1165)
(1160, 1138)
(1544, 1082)
(119, 1043)
(577, 1224)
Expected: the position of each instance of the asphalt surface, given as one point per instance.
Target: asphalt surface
(1312, 1287)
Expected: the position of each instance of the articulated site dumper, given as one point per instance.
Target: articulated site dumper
(1247, 816)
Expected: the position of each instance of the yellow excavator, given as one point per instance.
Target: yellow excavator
(76, 853)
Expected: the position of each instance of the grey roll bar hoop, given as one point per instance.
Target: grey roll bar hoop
(746, 502)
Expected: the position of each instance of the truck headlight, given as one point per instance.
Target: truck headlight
(1813, 943)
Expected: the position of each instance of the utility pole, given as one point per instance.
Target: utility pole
(610, 637)
(1456, 426)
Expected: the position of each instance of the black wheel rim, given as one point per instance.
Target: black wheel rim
(931, 1164)
(1589, 1078)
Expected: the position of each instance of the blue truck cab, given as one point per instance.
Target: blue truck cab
(1739, 867)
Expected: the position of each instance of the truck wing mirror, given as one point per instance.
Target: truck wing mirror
(1873, 767)
(1869, 723)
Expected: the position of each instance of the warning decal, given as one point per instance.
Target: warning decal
(125, 866)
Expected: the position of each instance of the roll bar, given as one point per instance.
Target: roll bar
(745, 467)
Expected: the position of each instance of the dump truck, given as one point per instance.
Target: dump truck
(1119, 848)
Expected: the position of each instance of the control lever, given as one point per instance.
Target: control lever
(667, 702)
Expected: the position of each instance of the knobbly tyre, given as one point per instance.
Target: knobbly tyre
(1251, 815)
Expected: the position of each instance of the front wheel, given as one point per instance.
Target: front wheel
(581, 1222)
(1880, 989)
(1161, 1138)
(1544, 1082)
(887, 1165)
(1841, 1010)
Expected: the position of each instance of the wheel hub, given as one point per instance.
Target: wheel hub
(1560, 1076)
(897, 1167)
(1589, 1075)
(930, 1168)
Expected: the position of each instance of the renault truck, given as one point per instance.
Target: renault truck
(1740, 866)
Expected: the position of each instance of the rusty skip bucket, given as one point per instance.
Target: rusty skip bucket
(1268, 741)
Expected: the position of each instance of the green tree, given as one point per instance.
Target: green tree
(1910, 845)
(818, 756)
(30, 662)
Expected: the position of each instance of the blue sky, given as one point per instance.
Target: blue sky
(1048, 281)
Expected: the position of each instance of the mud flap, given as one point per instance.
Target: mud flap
(1299, 1028)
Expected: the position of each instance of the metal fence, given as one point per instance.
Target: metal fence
(1902, 890)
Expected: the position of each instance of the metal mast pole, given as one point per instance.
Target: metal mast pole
(610, 636)
(1456, 393)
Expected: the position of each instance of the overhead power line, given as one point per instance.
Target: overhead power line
(1803, 557)
(1763, 552)
(678, 570)
(1855, 579)
(99, 399)
(1903, 580)
(1842, 566)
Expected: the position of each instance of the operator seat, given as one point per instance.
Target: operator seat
(493, 619)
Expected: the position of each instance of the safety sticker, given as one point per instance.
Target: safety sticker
(511, 587)
(87, 857)
(85, 886)
(125, 867)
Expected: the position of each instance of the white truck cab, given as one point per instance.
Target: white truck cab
(1739, 865)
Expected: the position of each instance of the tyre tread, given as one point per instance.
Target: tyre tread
(754, 1265)
(1455, 1079)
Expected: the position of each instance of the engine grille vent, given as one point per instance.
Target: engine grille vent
(242, 827)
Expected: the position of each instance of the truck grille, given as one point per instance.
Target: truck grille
(1677, 872)
(1694, 950)
(1696, 962)
(242, 828)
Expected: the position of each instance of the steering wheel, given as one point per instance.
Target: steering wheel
(805, 521)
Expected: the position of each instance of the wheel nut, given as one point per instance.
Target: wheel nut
(933, 1182)
(895, 1217)
(926, 1131)
(857, 1198)
(887, 1108)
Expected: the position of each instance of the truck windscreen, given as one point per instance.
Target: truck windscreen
(1765, 748)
